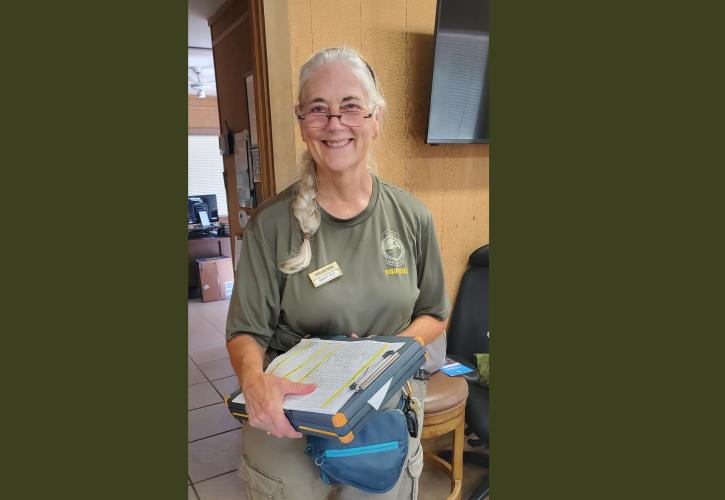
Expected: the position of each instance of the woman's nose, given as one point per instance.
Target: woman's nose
(334, 122)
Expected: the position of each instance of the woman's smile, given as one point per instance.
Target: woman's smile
(337, 144)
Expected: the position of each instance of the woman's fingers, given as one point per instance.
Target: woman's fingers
(264, 405)
(277, 425)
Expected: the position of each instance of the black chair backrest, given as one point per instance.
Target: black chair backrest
(468, 326)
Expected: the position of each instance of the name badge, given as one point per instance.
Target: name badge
(325, 274)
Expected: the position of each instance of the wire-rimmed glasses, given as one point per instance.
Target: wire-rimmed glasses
(318, 116)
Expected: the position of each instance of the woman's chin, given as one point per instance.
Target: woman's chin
(338, 163)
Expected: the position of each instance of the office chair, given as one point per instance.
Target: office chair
(468, 334)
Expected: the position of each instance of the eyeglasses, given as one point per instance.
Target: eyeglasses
(318, 116)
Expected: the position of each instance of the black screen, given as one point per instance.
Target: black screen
(459, 93)
(197, 203)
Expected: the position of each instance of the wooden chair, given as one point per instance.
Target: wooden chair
(445, 412)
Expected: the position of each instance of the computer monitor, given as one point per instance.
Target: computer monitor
(202, 203)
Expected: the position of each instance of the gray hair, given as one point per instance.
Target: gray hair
(304, 205)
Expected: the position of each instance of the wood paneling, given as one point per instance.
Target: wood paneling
(465, 207)
(281, 103)
(383, 46)
(300, 34)
(423, 163)
(227, 15)
(203, 114)
(397, 38)
(264, 189)
(335, 23)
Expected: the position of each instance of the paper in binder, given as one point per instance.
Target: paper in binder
(354, 377)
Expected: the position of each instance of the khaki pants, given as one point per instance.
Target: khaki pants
(277, 468)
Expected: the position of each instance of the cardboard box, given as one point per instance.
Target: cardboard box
(216, 277)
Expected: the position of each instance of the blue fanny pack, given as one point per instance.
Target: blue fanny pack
(373, 460)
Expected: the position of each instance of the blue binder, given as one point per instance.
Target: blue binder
(353, 414)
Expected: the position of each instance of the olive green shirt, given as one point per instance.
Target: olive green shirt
(390, 262)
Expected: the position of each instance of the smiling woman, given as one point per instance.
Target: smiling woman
(335, 78)
(339, 213)
(333, 124)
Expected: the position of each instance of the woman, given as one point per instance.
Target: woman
(384, 243)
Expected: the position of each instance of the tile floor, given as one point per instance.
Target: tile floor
(214, 435)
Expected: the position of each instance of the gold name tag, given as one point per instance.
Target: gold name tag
(325, 274)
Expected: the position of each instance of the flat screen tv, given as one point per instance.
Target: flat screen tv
(459, 92)
(202, 203)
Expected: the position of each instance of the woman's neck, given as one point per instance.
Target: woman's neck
(346, 194)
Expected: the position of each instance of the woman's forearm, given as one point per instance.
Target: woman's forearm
(246, 356)
(426, 327)
(263, 393)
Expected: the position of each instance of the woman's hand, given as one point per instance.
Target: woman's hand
(263, 395)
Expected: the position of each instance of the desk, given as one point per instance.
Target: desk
(202, 248)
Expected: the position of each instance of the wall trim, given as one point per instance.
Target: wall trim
(231, 28)
(219, 12)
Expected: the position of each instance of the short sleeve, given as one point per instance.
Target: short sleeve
(432, 299)
(255, 302)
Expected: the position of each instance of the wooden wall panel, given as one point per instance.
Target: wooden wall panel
(300, 34)
(264, 189)
(465, 207)
(226, 16)
(335, 23)
(423, 163)
(383, 46)
(397, 38)
(281, 102)
(300, 27)
(203, 114)
(232, 60)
